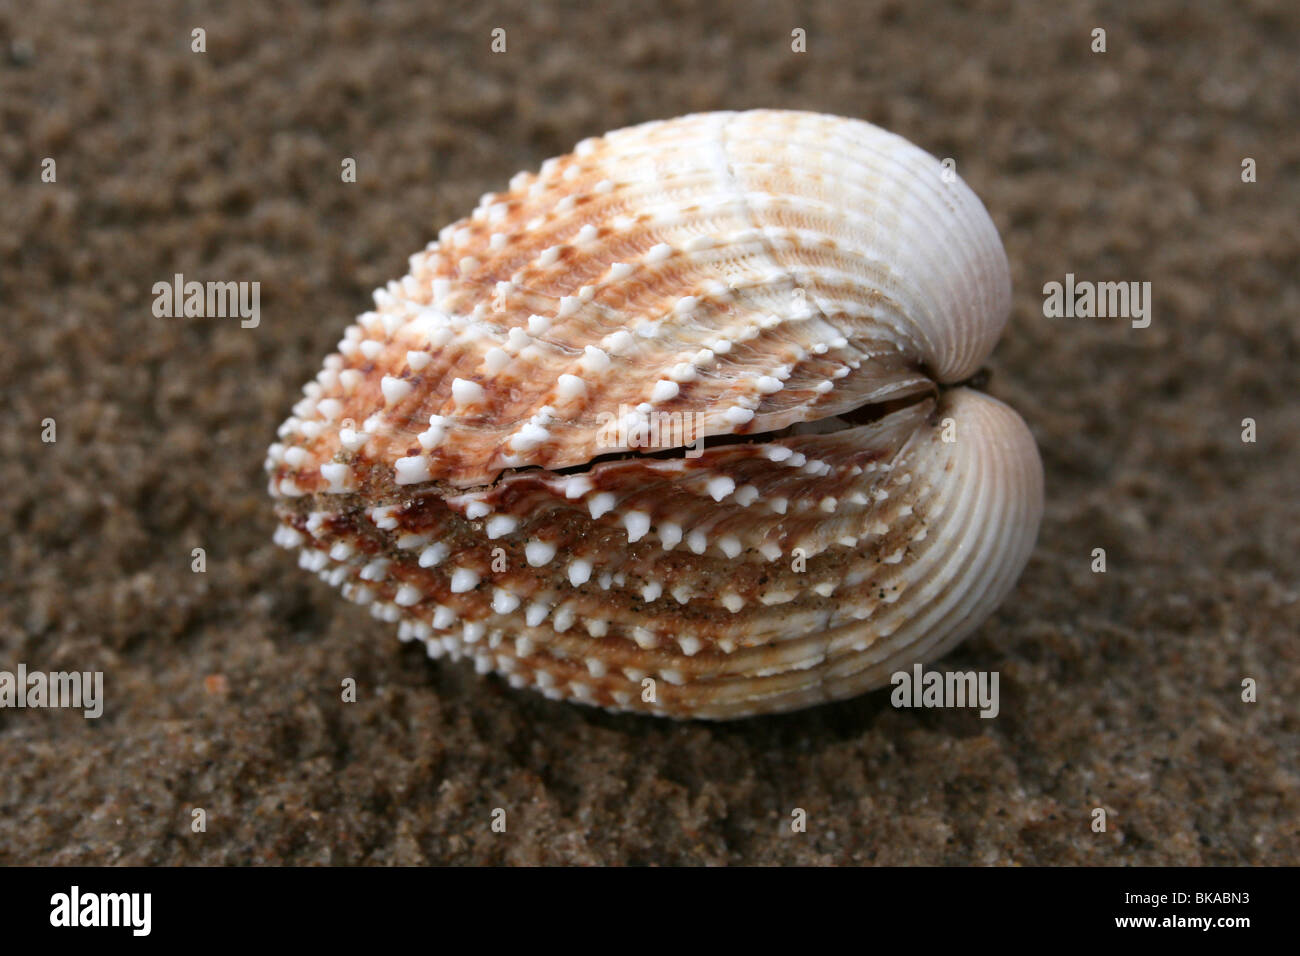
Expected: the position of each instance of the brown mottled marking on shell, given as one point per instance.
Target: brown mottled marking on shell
(450, 465)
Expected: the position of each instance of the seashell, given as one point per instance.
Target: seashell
(675, 425)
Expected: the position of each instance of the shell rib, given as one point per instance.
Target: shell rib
(794, 288)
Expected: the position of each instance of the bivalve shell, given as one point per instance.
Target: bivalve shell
(676, 424)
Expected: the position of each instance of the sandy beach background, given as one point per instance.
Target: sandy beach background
(1120, 690)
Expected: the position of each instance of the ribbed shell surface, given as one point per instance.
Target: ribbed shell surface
(475, 462)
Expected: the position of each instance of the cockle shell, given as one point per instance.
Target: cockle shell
(485, 461)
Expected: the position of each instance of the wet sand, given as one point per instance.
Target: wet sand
(1119, 690)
